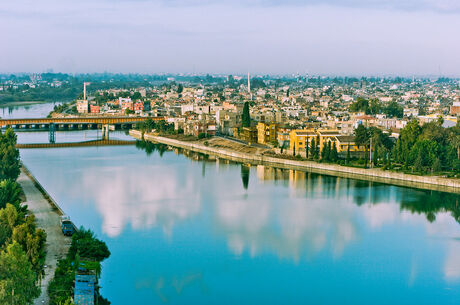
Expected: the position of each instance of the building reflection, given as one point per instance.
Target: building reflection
(245, 175)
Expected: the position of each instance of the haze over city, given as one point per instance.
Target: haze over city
(330, 37)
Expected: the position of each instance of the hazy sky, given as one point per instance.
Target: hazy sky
(339, 37)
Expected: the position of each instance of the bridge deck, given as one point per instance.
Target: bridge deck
(76, 120)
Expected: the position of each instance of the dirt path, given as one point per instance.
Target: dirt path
(57, 244)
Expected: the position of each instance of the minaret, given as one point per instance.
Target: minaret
(249, 83)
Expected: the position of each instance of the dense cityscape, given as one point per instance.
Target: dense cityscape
(287, 114)
(220, 152)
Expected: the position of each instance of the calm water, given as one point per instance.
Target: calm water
(188, 231)
(27, 111)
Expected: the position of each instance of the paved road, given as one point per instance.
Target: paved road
(57, 244)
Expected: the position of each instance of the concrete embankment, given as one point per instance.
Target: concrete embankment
(47, 214)
(377, 175)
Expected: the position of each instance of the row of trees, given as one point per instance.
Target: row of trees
(373, 138)
(327, 153)
(22, 244)
(420, 149)
(428, 147)
(160, 126)
(48, 93)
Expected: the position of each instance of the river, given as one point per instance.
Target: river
(187, 229)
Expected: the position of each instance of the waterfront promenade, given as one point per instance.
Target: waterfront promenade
(47, 218)
(377, 175)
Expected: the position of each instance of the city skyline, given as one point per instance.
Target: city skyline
(376, 38)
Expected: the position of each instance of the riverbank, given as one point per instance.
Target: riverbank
(255, 157)
(47, 214)
(21, 103)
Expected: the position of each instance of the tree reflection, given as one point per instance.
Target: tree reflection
(245, 175)
(424, 202)
(363, 192)
(150, 147)
(431, 203)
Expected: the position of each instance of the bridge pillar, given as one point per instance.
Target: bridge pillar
(52, 134)
(105, 132)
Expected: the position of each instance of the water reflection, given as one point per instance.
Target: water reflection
(27, 110)
(140, 199)
(320, 212)
(363, 192)
(197, 224)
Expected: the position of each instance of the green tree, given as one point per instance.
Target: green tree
(419, 162)
(9, 156)
(136, 96)
(85, 244)
(436, 165)
(454, 138)
(393, 109)
(361, 105)
(9, 216)
(10, 192)
(326, 152)
(32, 241)
(307, 148)
(246, 118)
(17, 279)
(334, 155)
(362, 137)
(149, 125)
(313, 149)
(348, 154)
(375, 155)
(375, 107)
